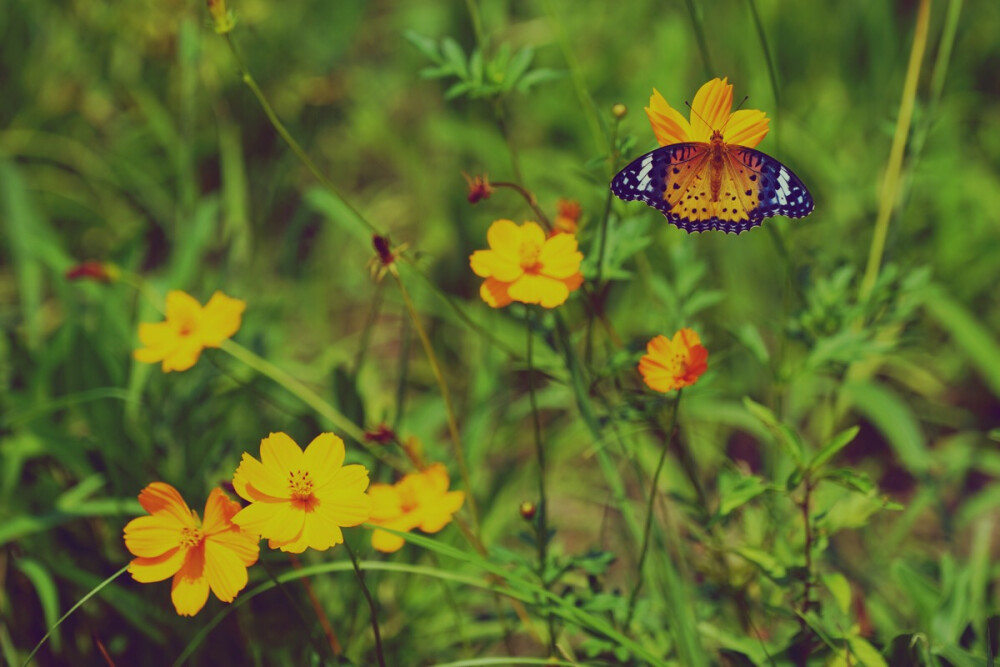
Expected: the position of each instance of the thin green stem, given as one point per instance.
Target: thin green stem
(477, 24)
(647, 528)
(310, 398)
(528, 197)
(371, 603)
(890, 186)
(251, 83)
(515, 160)
(366, 332)
(762, 35)
(543, 503)
(456, 439)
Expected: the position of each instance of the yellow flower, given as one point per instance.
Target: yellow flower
(200, 555)
(522, 265)
(300, 500)
(710, 111)
(419, 500)
(189, 329)
(669, 365)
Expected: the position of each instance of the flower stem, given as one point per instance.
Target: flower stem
(446, 395)
(371, 603)
(542, 536)
(310, 398)
(646, 531)
(890, 186)
(528, 197)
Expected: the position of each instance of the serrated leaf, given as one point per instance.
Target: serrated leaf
(830, 449)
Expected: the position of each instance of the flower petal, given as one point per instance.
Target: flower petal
(504, 238)
(532, 234)
(164, 566)
(190, 587)
(276, 521)
(710, 108)
(559, 256)
(686, 339)
(747, 127)
(494, 293)
(437, 515)
(182, 307)
(487, 263)
(253, 482)
(539, 289)
(344, 509)
(386, 502)
(182, 356)
(220, 319)
(351, 480)
(162, 498)
(224, 569)
(386, 542)
(669, 125)
(219, 513)
(280, 454)
(323, 458)
(152, 536)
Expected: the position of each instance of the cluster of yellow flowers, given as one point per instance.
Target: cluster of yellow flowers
(300, 499)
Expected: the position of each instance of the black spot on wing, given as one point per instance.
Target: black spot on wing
(636, 182)
(781, 191)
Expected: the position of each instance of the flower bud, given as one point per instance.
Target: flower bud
(527, 510)
(619, 110)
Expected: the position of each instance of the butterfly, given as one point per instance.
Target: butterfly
(698, 180)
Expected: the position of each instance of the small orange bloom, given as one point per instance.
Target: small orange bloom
(189, 329)
(300, 500)
(200, 555)
(669, 365)
(710, 111)
(522, 265)
(568, 217)
(419, 500)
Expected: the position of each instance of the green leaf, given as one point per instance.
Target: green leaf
(455, 56)
(787, 438)
(518, 65)
(850, 479)
(537, 76)
(742, 492)
(840, 588)
(764, 560)
(969, 334)
(48, 594)
(866, 653)
(895, 420)
(830, 449)
(427, 46)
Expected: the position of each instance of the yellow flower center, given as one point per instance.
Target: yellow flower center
(528, 255)
(301, 485)
(191, 537)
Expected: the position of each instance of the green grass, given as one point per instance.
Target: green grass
(854, 362)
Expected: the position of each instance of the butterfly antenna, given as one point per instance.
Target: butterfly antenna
(700, 117)
(738, 107)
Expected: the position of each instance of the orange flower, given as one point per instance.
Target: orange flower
(522, 265)
(200, 555)
(189, 329)
(419, 500)
(709, 111)
(669, 365)
(299, 499)
(567, 217)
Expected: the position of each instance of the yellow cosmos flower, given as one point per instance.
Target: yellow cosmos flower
(669, 365)
(522, 265)
(419, 500)
(710, 111)
(200, 555)
(300, 500)
(189, 329)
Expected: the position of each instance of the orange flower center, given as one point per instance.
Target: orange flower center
(528, 255)
(187, 326)
(191, 537)
(301, 485)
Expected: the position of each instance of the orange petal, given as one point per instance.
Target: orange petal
(559, 256)
(323, 458)
(345, 509)
(686, 338)
(160, 497)
(190, 587)
(669, 125)
(746, 127)
(438, 515)
(219, 513)
(164, 566)
(386, 542)
(494, 293)
(385, 502)
(224, 570)
(152, 536)
(158, 336)
(280, 454)
(489, 263)
(710, 108)
(243, 544)
(220, 319)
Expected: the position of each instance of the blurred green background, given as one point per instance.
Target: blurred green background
(127, 136)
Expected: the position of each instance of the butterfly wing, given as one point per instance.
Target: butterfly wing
(676, 180)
